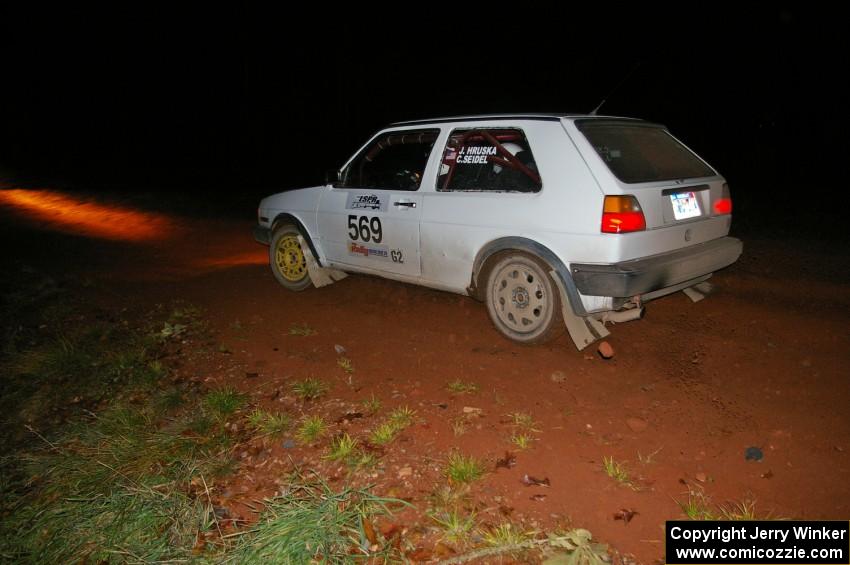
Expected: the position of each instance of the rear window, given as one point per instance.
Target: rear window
(642, 153)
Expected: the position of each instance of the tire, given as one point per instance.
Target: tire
(522, 299)
(287, 260)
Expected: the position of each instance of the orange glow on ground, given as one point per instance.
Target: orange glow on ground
(68, 214)
(259, 256)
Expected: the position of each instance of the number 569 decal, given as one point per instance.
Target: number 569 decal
(365, 229)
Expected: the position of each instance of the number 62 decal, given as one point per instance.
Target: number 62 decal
(365, 229)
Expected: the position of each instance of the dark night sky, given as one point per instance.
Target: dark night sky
(214, 100)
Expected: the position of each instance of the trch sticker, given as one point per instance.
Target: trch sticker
(365, 202)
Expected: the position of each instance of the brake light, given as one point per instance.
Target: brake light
(622, 214)
(723, 205)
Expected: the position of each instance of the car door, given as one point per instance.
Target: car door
(370, 218)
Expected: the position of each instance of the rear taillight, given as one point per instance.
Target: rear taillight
(723, 205)
(622, 214)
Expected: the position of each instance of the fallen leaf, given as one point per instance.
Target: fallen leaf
(625, 515)
(369, 531)
(508, 461)
(528, 481)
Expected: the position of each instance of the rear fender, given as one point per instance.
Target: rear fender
(534, 248)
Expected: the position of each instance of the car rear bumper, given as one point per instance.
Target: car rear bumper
(639, 276)
(262, 234)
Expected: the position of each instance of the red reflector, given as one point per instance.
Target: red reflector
(723, 206)
(619, 222)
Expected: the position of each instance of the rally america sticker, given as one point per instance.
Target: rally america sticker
(365, 202)
(376, 251)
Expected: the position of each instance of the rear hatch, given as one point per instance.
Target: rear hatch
(673, 186)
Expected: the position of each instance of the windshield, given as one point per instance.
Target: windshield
(642, 152)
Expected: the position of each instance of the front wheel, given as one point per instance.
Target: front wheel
(522, 299)
(287, 260)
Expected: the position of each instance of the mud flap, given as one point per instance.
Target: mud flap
(320, 276)
(698, 291)
(583, 330)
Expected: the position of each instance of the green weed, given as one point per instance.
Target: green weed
(311, 429)
(463, 469)
(309, 389)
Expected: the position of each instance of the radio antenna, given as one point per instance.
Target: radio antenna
(616, 88)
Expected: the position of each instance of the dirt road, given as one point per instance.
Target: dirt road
(763, 362)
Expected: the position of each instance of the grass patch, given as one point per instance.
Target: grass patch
(118, 485)
(617, 471)
(302, 330)
(224, 402)
(396, 421)
(456, 528)
(371, 405)
(459, 426)
(506, 534)
(402, 416)
(313, 523)
(522, 441)
(698, 506)
(345, 364)
(342, 448)
(458, 386)
(309, 389)
(523, 421)
(106, 459)
(311, 429)
(384, 433)
(267, 423)
(463, 469)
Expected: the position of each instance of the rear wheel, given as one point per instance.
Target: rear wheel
(287, 259)
(522, 299)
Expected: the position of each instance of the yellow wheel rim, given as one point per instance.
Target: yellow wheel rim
(289, 258)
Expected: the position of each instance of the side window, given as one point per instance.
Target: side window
(393, 161)
(495, 160)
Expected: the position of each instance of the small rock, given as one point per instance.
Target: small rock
(558, 377)
(753, 454)
(636, 424)
(340, 350)
(605, 350)
(471, 410)
(405, 472)
(288, 444)
(701, 477)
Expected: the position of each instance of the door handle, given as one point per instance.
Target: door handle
(405, 204)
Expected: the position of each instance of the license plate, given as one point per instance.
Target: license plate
(685, 205)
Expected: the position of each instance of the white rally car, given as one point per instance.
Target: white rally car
(548, 219)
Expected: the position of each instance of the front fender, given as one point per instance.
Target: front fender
(287, 218)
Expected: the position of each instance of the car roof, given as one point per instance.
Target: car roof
(545, 116)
